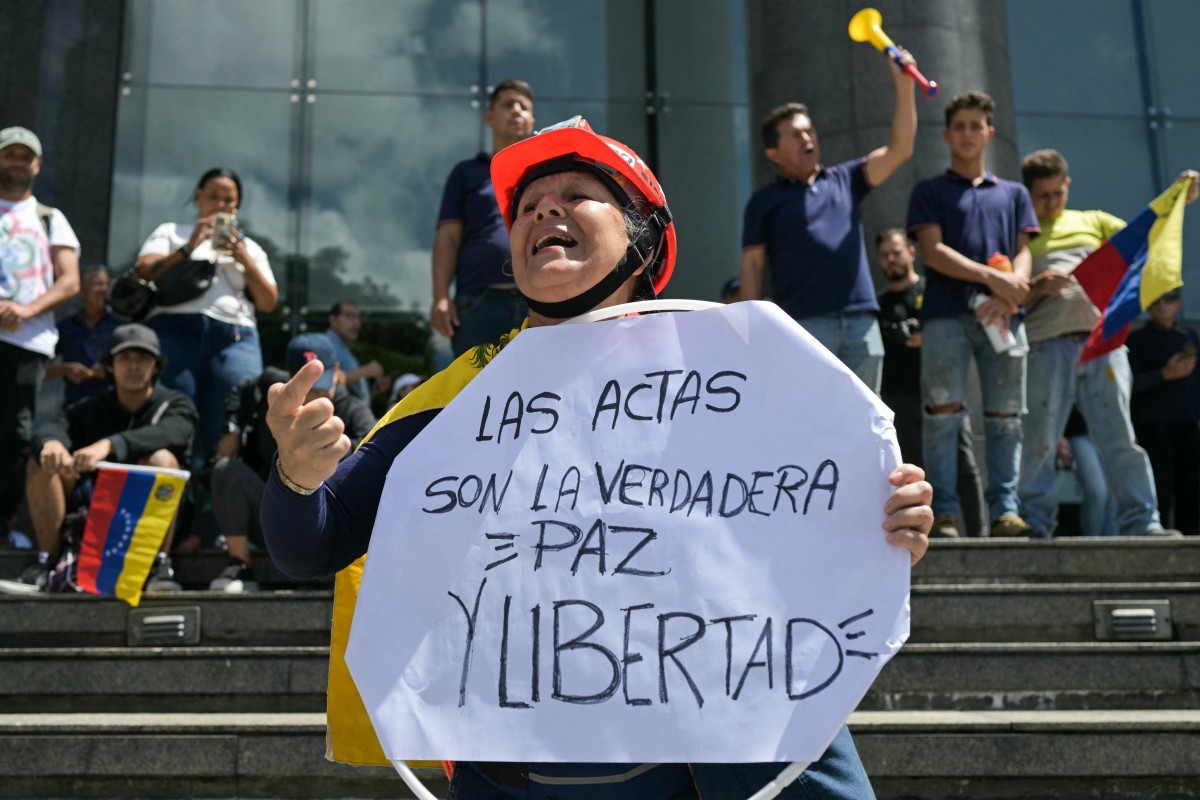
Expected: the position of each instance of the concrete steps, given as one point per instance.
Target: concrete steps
(1030, 754)
(279, 617)
(1038, 612)
(1002, 692)
(949, 612)
(194, 570)
(1098, 559)
(998, 755)
(178, 755)
(966, 676)
(1137, 559)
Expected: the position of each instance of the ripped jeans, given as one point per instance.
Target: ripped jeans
(948, 345)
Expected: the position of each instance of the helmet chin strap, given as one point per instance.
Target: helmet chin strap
(643, 247)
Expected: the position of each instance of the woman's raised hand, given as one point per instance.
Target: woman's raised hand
(311, 439)
(202, 232)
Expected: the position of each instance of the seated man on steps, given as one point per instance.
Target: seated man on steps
(135, 421)
(246, 452)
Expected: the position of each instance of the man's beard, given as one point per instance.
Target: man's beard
(11, 183)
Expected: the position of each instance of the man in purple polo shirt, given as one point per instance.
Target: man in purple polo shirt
(974, 231)
(807, 226)
(470, 249)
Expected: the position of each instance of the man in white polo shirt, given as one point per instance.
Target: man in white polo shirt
(39, 271)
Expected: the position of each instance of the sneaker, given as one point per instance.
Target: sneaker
(162, 576)
(32, 581)
(945, 526)
(1010, 525)
(1164, 533)
(237, 577)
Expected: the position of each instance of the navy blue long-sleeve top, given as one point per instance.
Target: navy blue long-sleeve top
(325, 532)
(1156, 399)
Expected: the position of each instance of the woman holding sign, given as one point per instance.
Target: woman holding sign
(590, 229)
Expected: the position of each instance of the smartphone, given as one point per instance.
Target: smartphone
(223, 231)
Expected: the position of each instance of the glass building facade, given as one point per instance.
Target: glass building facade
(1111, 84)
(344, 117)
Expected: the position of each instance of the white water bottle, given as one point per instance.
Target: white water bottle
(998, 331)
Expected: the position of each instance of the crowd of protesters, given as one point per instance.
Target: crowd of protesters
(188, 387)
(997, 293)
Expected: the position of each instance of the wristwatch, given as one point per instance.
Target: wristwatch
(185, 251)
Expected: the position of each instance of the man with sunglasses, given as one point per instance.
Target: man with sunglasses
(1059, 319)
(345, 324)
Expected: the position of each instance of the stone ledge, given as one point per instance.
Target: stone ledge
(964, 676)
(1025, 721)
(1069, 559)
(914, 722)
(289, 748)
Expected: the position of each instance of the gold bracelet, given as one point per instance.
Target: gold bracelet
(295, 487)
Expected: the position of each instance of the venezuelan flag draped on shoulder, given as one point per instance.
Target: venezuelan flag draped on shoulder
(1133, 268)
(350, 738)
(131, 511)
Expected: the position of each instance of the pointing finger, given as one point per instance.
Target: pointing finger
(287, 400)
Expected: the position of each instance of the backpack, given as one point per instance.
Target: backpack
(45, 214)
(62, 577)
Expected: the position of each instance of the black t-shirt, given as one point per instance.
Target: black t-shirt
(898, 313)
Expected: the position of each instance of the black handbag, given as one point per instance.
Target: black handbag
(132, 298)
(184, 282)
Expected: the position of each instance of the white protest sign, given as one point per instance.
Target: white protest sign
(655, 539)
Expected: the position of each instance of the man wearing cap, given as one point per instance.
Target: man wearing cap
(136, 421)
(246, 451)
(39, 271)
(806, 227)
(470, 248)
(1059, 319)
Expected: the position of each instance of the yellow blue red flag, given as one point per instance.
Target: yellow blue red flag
(131, 511)
(1134, 267)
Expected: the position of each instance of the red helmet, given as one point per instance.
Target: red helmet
(575, 141)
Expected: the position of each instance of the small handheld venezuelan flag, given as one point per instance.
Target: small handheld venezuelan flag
(131, 511)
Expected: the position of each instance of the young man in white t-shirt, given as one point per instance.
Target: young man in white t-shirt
(39, 271)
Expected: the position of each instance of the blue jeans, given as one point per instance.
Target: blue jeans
(485, 316)
(855, 339)
(907, 407)
(947, 346)
(1098, 513)
(837, 775)
(665, 782)
(1101, 389)
(206, 358)
(21, 373)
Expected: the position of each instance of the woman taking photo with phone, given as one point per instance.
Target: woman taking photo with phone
(211, 280)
